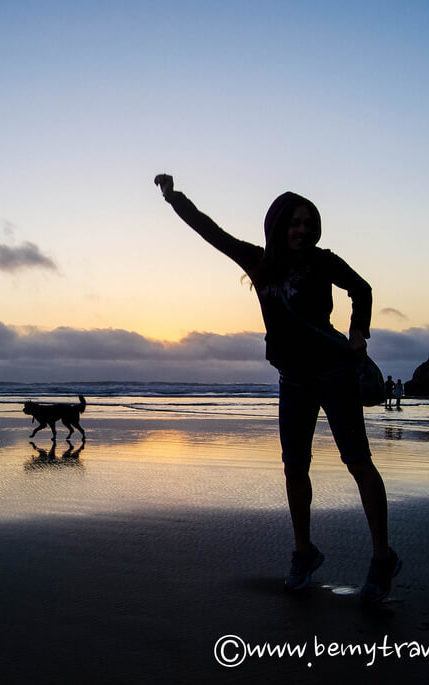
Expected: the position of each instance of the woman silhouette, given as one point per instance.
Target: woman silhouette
(293, 280)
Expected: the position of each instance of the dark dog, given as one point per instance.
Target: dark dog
(49, 414)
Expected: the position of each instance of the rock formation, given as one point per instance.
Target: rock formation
(419, 384)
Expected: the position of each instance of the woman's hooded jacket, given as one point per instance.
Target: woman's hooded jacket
(294, 287)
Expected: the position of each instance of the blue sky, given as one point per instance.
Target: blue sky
(240, 101)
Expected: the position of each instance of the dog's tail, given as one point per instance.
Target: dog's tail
(82, 404)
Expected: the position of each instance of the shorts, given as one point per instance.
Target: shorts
(337, 392)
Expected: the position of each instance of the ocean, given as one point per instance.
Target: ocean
(240, 401)
(138, 388)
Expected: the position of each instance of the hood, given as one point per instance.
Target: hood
(280, 213)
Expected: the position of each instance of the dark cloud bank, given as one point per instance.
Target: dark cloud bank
(112, 354)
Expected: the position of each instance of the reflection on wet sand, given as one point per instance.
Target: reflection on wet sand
(418, 434)
(48, 458)
(135, 465)
(393, 433)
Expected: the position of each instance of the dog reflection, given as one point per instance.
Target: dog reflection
(48, 458)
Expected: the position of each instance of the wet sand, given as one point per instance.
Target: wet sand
(126, 562)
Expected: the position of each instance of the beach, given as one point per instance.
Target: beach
(126, 559)
(201, 200)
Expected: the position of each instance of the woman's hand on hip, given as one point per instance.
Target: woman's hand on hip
(357, 340)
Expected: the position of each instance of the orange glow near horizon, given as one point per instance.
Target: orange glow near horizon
(237, 314)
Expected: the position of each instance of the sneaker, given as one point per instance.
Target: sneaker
(379, 579)
(302, 566)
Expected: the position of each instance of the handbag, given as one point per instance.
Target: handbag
(370, 378)
(371, 382)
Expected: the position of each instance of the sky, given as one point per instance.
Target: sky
(240, 101)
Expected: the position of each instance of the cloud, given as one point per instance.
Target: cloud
(24, 256)
(399, 353)
(114, 354)
(390, 311)
(121, 345)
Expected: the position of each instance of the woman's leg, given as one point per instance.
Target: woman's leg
(345, 415)
(374, 502)
(385, 563)
(299, 494)
(298, 412)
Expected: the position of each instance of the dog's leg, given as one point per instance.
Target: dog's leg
(36, 430)
(54, 430)
(80, 429)
(69, 426)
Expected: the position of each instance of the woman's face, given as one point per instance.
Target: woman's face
(300, 233)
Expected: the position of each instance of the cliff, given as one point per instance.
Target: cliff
(419, 384)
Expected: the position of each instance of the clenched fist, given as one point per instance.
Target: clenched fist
(165, 182)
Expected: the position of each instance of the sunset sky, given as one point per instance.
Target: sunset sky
(240, 101)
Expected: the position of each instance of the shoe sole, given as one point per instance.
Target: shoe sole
(317, 563)
(380, 598)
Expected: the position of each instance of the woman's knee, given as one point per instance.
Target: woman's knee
(296, 471)
(361, 469)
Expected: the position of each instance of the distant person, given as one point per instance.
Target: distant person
(398, 393)
(389, 387)
(293, 280)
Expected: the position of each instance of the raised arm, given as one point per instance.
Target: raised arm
(243, 253)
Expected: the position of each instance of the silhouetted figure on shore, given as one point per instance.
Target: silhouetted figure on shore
(398, 393)
(293, 280)
(389, 387)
